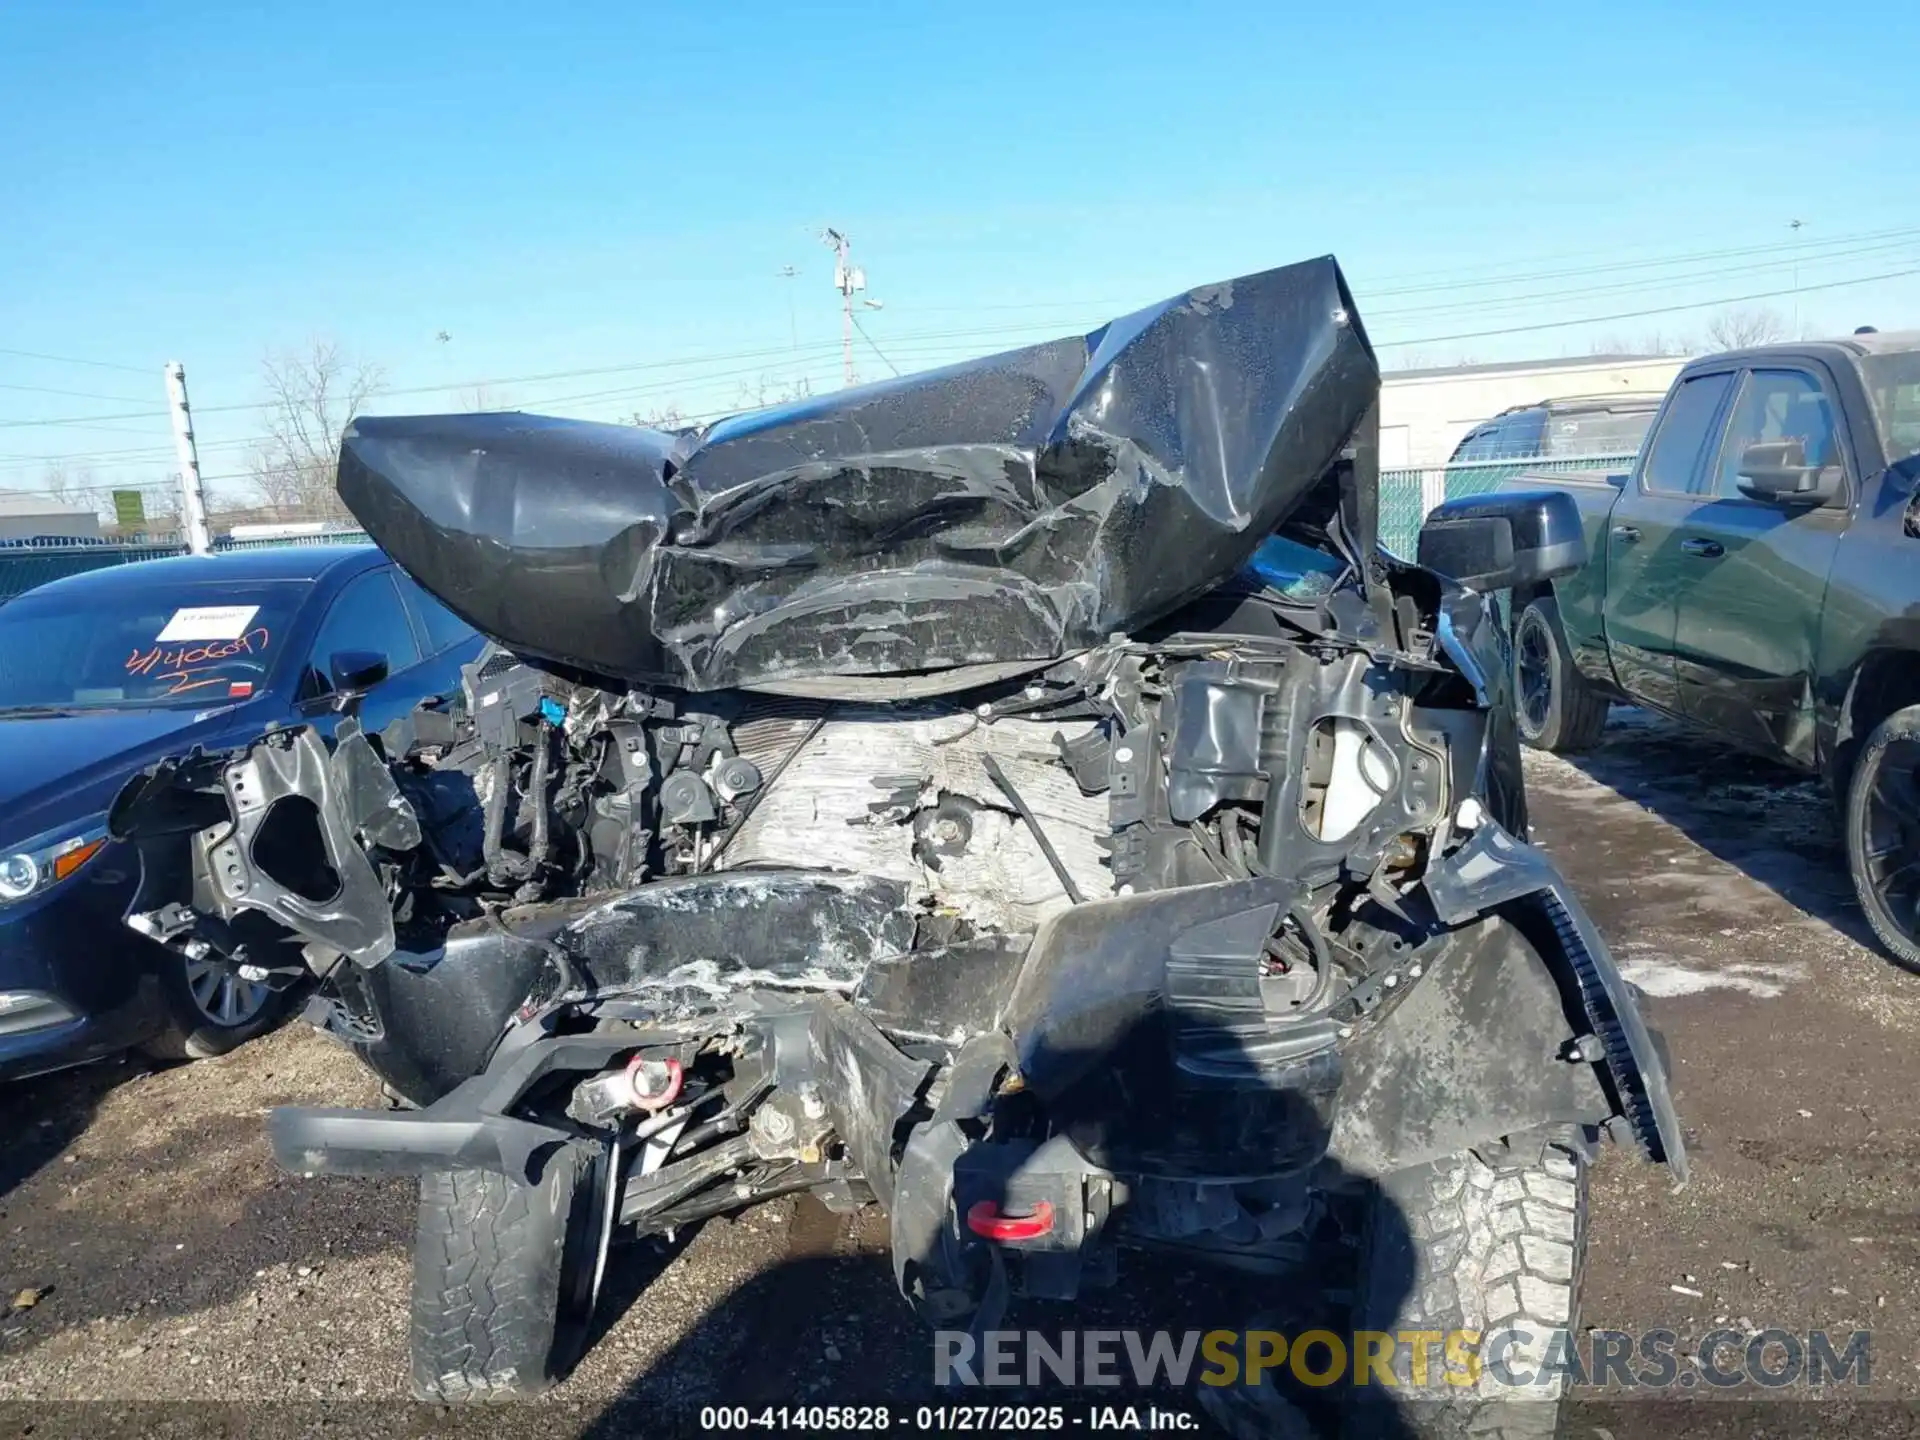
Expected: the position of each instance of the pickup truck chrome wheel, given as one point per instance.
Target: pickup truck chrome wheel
(1554, 707)
(1883, 834)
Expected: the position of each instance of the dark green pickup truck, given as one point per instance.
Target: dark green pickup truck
(1758, 575)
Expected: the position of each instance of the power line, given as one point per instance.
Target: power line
(155, 449)
(1576, 321)
(144, 455)
(1401, 344)
(924, 343)
(89, 419)
(73, 360)
(667, 364)
(821, 352)
(664, 387)
(73, 394)
(79, 455)
(1504, 274)
(870, 345)
(98, 421)
(1642, 283)
(1501, 272)
(1642, 314)
(1775, 247)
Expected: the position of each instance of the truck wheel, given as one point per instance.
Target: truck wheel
(1462, 1244)
(1554, 706)
(1467, 1244)
(1883, 834)
(505, 1275)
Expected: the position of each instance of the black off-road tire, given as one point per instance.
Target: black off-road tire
(501, 1301)
(1469, 1244)
(1569, 713)
(1463, 1244)
(1858, 825)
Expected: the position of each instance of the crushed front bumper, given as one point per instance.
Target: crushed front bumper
(1119, 1021)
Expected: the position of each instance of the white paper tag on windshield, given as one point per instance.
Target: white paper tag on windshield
(208, 622)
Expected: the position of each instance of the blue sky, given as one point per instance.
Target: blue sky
(576, 187)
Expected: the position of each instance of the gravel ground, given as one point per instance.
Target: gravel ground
(171, 1266)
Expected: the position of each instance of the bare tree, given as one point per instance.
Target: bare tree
(69, 483)
(160, 499)
(755, 395)
(1737, 329)
(660, 417)
(77, 487)
(311, 395)
(159, 512)
(483, 399)
(1653, 343)
(769, 390)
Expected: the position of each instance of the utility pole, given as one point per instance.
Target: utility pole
(847, 279)
(193, 498)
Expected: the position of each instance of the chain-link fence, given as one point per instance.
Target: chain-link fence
(1407, 495)
(27, 563)
(149, 512)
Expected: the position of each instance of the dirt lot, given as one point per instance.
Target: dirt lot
(171, 1262)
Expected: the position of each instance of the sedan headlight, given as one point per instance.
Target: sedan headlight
(43, 862)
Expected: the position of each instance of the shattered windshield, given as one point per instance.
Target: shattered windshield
(159, 646)
(1893, 382)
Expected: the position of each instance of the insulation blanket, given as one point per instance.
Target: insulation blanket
(1007, 510)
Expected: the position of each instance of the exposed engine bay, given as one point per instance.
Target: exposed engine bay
(670, 873)
(1180, 884)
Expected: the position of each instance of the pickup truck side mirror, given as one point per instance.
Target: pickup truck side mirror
(1777, 472)
(1495, 542)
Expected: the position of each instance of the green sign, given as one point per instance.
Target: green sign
(129, 510)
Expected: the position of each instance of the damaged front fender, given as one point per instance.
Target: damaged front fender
(1494, 872)
(297, 818)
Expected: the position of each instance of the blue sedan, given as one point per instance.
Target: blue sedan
(105, 673)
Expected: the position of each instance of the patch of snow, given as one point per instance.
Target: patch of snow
(1668, 978)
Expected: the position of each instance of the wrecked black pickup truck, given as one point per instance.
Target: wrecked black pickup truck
(1023, 796)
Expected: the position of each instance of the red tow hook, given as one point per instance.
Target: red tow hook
(655, 1083)
(986, 1221)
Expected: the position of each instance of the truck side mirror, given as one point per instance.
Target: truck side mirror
(1499, 541)
(1777, 472)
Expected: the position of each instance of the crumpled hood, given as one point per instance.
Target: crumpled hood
(1011, 509)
